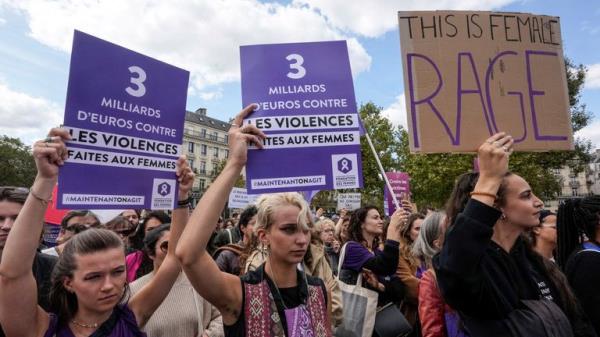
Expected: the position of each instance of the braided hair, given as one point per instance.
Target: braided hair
(577, 219)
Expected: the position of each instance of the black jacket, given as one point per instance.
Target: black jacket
(486, 284)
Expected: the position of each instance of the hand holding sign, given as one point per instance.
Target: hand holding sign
(493, 164)
(185, 176)
(397, 220)
(241, 136)
(51, 153)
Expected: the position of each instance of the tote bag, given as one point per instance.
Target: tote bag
(360, 306)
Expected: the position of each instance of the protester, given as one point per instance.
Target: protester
(543, 236)
(437, 319)
(138, 261)
(133, 215)
(487, 272)
(11, 203)
(410, 269)
(341, 230)
(229, 224)
(362, 254)
(89, 290)
(325, 230)
(228, 256)
(123, 228)
(579, 251)
(183, 312)
(72, 223)
(276, 297)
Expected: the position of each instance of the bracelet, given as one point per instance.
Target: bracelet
(484, 194)
(184, 203)
(42, 200)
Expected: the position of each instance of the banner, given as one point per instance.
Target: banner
(468, 75)
(400, 182)
(239, 198)
(307, 108)
(349, 201)
(125, 112)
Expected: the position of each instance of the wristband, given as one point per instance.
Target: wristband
(42, 200)
(184, 203)
(484, 194)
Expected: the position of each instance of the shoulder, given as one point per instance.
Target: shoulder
(353, 247)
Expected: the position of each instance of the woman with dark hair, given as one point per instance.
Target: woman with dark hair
(138, 262)
(362, 254)
(488, 273)
(89, 293)
(74, 222)
(277, 299)
(123, 228)
(579, 251)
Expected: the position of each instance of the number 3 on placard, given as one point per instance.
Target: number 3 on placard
(300, 70)
(138, 81)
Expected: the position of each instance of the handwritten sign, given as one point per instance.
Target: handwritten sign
(239, 198)
(400, 182)
(468, 75)
(125, 112)
(307, 108)
(349, 201)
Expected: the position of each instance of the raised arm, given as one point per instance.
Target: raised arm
(149, 298)
(221, 289)
(20, 314)
(458, 266)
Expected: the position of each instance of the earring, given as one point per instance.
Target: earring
(503, 216)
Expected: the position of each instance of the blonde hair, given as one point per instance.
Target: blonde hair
(322, 223)
(268, 204)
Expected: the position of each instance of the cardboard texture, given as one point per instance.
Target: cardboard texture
(468, 75)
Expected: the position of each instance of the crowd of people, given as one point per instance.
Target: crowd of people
(493, 262)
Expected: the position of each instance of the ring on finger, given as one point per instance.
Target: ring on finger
(505, 149)
(48, 140)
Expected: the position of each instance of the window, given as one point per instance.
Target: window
(215, 136)
(203, 133)
(201, 184)
(226, 138)
(203, 149)
(191, 147)
(575, 192)
(226, 154)
(216, 152)
(202, 167)
(191, 163)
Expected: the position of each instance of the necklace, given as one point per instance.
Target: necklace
(85, 325)
(277, 287)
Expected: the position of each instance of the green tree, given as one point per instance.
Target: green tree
(219, 166)
(17, 167)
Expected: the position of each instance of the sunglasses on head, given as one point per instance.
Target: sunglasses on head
(164, 246)
(18, 194)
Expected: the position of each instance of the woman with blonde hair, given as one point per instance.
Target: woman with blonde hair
(277, 298)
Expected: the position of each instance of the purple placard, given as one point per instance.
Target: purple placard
(308, 110)
(400, 185)
(125, 112)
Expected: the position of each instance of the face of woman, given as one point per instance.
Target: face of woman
(373, 224)
(415, 229)
(288, 241)
(99, 280)
(151, 224)
(547, 230)
(161, 248)
(327, 233)
(521, 206)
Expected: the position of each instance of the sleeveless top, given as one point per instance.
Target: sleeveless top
(121, 323)
(263, 314)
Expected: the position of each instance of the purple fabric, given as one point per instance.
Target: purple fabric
(298, 322)
(356, 256)
(453, 328)
(420, 270)
(126, 326)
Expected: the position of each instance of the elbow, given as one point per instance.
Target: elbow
(183, 256)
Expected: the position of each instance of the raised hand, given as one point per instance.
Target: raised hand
(50, 153)
(185, 176)
(241, 136)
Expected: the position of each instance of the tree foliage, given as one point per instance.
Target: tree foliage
(17, 167)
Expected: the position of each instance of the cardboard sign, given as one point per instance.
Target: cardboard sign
(307, 108)
(468, 75)
(239, 198)
(400, 182)
(125, 112)
(349, 201)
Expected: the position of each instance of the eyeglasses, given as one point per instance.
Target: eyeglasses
(12, 193)
(164, 246)
(77, 228)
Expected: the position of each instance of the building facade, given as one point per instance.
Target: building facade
(205, 145)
